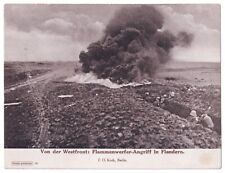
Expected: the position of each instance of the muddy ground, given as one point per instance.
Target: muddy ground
(99, 117)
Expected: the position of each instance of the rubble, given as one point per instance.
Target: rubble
(117, 118)
(124, 118)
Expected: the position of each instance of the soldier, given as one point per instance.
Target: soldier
(193, 116)
(207, 121)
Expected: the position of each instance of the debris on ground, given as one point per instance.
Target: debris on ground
(172, 94)
(125, 117)
(12, 104)
(12, 89)
(65, 96)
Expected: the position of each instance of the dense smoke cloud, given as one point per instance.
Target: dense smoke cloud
(60, 32)
(133, 46)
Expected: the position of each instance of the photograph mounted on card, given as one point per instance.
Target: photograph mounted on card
(112, 86)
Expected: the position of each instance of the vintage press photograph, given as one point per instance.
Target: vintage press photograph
(112, 76)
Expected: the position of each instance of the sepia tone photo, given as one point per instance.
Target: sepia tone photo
(112, 76)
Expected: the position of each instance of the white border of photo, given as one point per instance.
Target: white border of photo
(192, 154)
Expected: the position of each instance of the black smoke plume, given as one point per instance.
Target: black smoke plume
(133, 46)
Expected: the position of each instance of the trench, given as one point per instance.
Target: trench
(181, 110)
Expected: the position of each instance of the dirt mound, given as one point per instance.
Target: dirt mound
(98, 117)
(95, 116)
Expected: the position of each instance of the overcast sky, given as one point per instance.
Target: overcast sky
(60, 32)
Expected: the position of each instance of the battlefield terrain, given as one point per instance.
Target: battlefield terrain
(42, 110)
